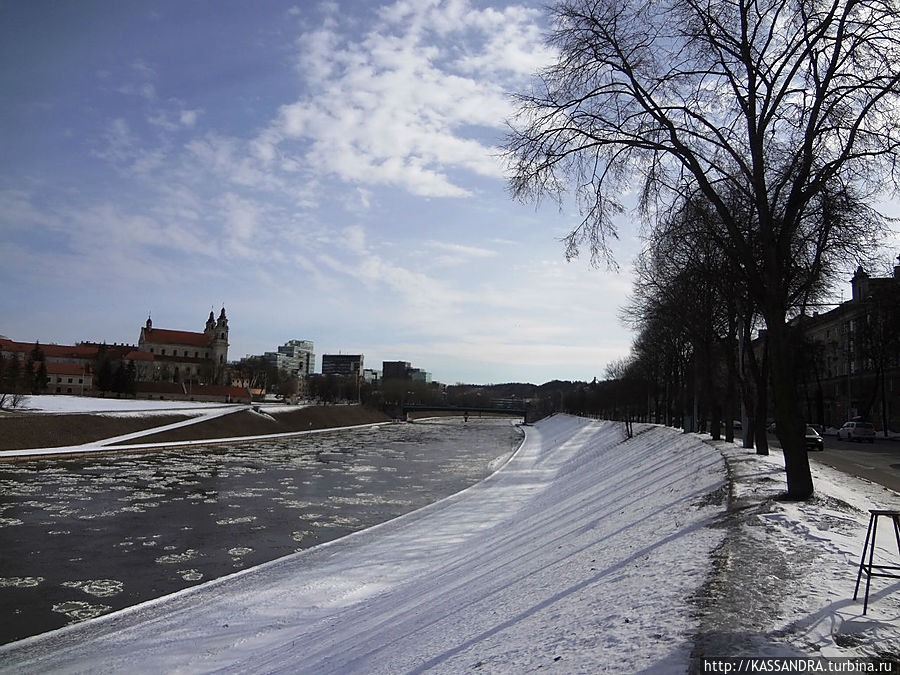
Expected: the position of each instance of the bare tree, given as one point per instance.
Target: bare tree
(770, 110)
(683, 278)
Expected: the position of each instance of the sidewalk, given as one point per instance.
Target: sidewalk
(782, 581)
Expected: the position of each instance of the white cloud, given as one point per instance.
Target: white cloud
(119, 142)
(143, 87)
(188, 118)
(450, 254)
(233, 160)
(354, 239)
(416, 298)
(365, 198)
(18, 212)
(405, 105)
(321, 214)
(242, 220)
(172, 116)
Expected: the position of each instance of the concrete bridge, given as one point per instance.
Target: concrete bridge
(465, 411)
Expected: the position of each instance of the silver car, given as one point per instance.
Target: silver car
(857, 431)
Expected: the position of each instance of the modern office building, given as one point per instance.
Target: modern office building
(403, 370)
(395, 370)
(342, 364)
(296, 357)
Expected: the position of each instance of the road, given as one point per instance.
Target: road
(878, 461)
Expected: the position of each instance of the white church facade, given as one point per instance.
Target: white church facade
(165, 355)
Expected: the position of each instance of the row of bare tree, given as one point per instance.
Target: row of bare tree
(756, 134)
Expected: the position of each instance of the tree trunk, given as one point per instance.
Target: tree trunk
(748, 404)
(761, 440)
(730, 355)
(788, 418)
(759, 373)
(729, 407)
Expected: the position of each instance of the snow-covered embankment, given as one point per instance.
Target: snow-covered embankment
(580, 554)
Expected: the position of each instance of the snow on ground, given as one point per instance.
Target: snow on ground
(47, 403)
(585, 553)
(579, 554)
(783, 581)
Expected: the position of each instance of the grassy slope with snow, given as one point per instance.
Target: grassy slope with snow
(585, 553)
(580, 554)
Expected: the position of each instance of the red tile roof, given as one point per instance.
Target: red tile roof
(136, 355)
(113, 351)
(83, 351)
(177, 337)
(67, 369)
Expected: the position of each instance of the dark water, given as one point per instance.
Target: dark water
(82, 537)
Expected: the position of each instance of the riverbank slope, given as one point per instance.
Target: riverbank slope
(19, 431)
(587, 552)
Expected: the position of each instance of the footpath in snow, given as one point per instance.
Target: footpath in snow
(586, 553)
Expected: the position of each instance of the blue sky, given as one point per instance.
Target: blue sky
(325, 170)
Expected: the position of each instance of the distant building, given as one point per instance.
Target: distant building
(403, 370)
(167, 363)
(342, 364)
(69, 367)
(296, 357)
(182, 356)
(372, 376)
(852, 362)
(395, 370)
(68, 378)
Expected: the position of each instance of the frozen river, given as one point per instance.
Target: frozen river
(84, 536)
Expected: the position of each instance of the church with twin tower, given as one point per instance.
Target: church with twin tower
(180, 356)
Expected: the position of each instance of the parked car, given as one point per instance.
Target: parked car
(857, 431)
(814, 440)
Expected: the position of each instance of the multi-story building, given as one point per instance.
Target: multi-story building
(395, 370)
(69, 368)
(296, 357)
(342, 364)
(69, 378)
(853, 356)
(403, 370)
(166, 363)
(184, 356)
(371, 376)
